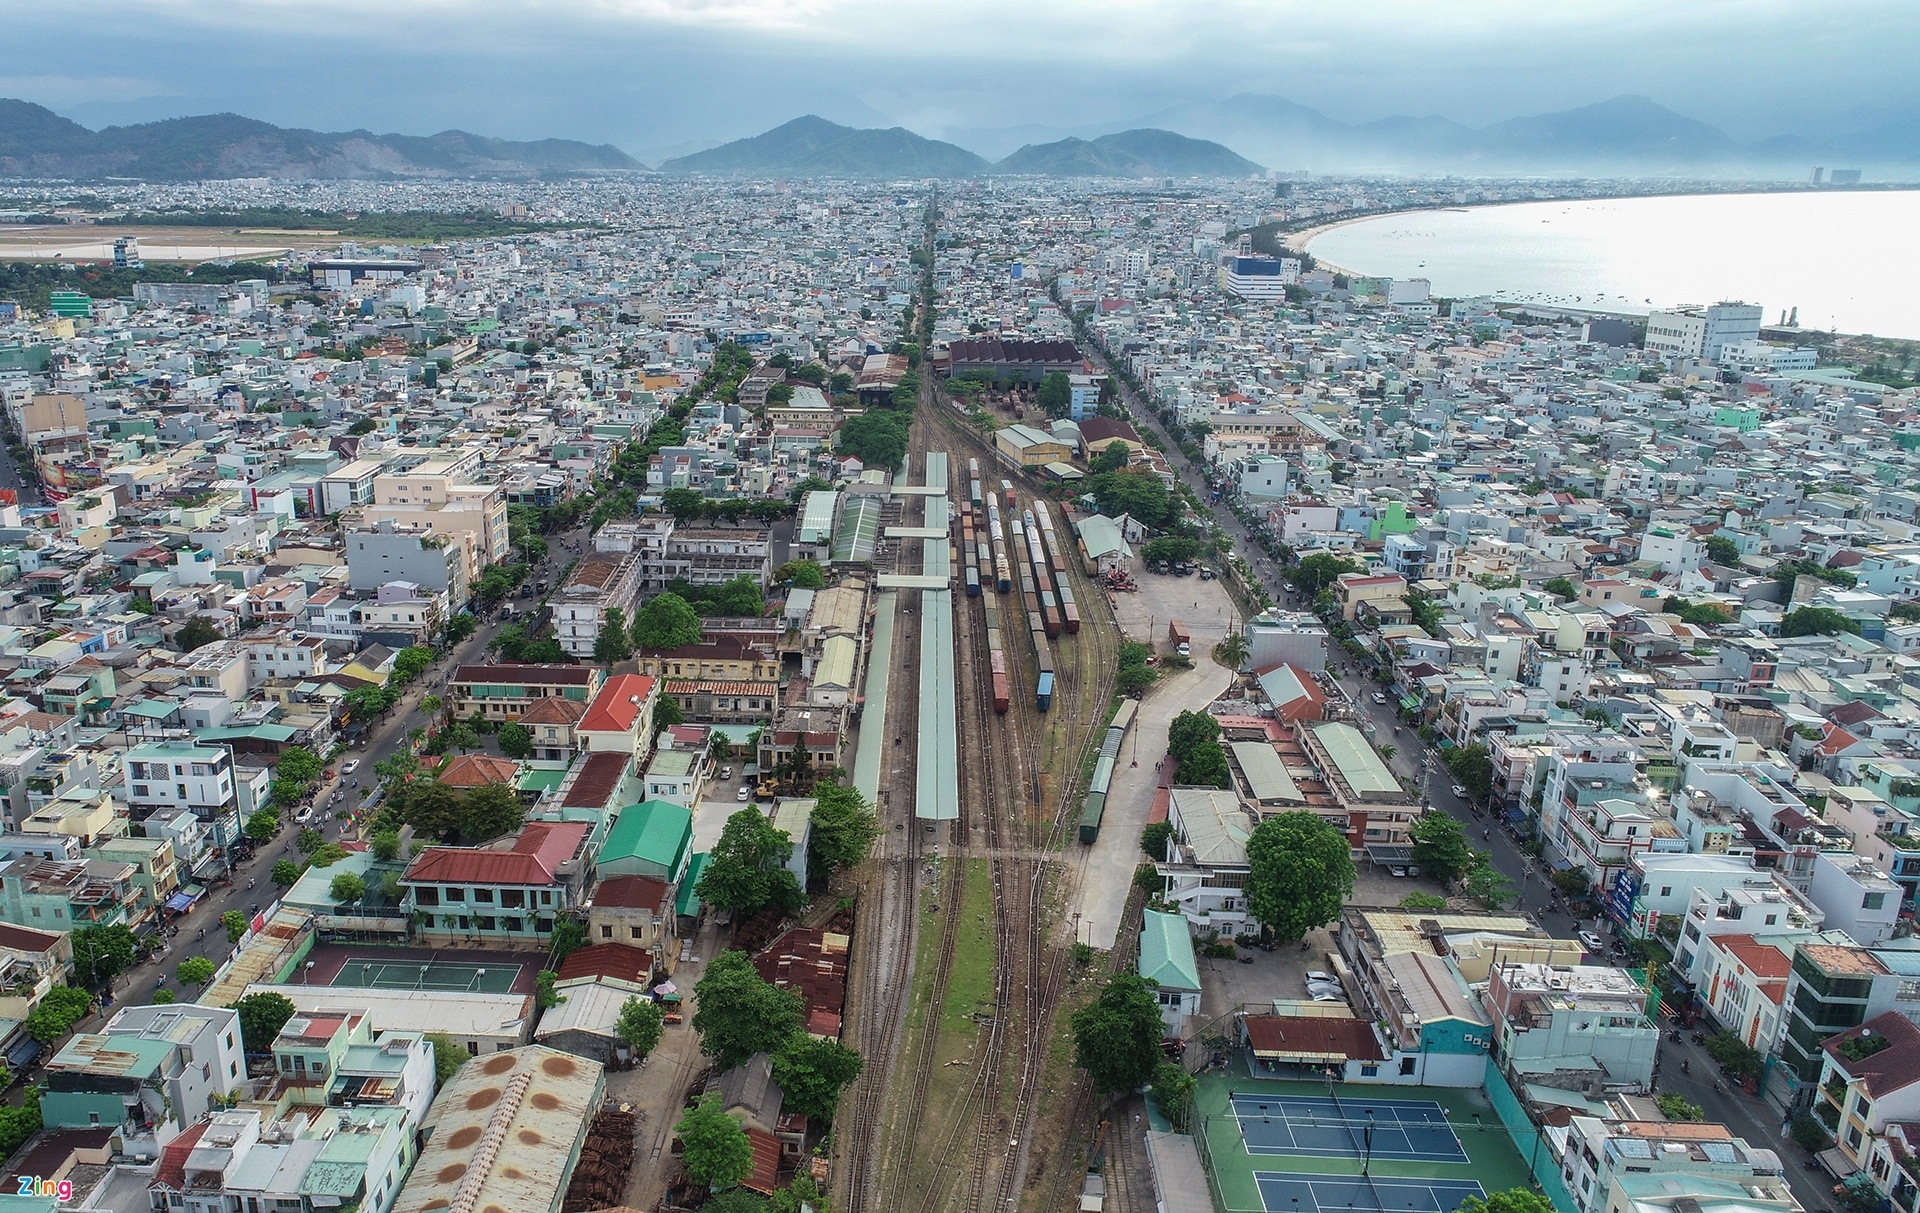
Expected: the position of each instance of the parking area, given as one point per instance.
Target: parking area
(719, 800)
(1203, 606)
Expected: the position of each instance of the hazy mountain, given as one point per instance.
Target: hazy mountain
(35, 142)
(1626, 134)
(1135, 153)
(813, 146)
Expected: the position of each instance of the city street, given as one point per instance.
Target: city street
(1749, 1116)
(251, 885)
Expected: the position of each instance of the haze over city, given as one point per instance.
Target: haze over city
(666, 76)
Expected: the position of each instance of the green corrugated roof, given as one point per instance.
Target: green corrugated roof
(1166, 952)
(256, 732)
(688, 902)
(536, 780)
(1359, 765)
(656, 831)
(151, 709)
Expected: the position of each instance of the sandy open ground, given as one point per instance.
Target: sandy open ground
(66, 243)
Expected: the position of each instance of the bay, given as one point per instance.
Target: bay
(1849, 261)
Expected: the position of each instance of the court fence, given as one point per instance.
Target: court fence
(1526, 1139)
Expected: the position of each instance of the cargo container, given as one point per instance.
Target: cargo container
(973, 582)
(1043, 694)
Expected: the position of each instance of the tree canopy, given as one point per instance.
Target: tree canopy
(1117, 1035)
(613, 643)
(638, 1026)
(877, 438)
(747, 871)
(196, 632)
(1141, 494)
(1320, 570)
(716, 1150)
(665, 622)
(740, 1013)
(101, 953)
(844, 826)
(812, 1072)
(261, 1018)
(1440, 846)
(1301, 873)
(1512, 1200)
(1817, 621)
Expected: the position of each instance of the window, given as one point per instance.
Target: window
(1666, 890)
(1873, 901)
(1367, 1071)
(606, 931)
(473, 1048)
(483, 897)
(635, 933)
(1407, 1064)
(456, 894)
(1853, 1137)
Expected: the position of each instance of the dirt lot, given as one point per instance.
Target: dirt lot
(1202, 605)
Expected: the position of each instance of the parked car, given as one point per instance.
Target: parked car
(726, 772)
(744, 794)
(1326, 995)
(1396, 870)
(1206, 574)
(1460, 790)
(1314, 975)
(1379, 697)
(1591, 942)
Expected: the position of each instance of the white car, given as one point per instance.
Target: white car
(1396, 870)
(744, 794)
(1326, 995)
(1314, 975)
(1591, 942)
(349, 767)
(1460, 790)
(1379, 697)
(303, 816)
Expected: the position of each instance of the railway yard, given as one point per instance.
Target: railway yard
(999, 673)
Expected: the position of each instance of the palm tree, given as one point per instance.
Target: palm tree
(1232, 651)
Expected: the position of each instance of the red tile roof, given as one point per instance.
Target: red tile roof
(616, 960)
(477, 770)
(172, 1171)
(533, 859)
(618, 705)
(553, 709)
(765, 1176)
(630, 893)
(1895, 1067)
(1302, 1036)
(597, 781)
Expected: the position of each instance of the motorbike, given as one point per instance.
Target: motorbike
(1674, 1036)
(1686, 1066)
(1699, 1038)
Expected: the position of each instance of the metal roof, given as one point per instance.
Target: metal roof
(1266, 774)
(874, 741)
(937, 789)
(1359, 765)
(1166, 951)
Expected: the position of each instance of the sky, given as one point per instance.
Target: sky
(653, 76)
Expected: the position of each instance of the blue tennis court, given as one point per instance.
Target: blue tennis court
(1284, 1192)
(1318, 1126)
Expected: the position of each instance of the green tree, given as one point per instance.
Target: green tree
(1485, 884)
(843, 827)
(1188, 731)
(347, 888)
(1472, 767)
(747, 871)
(1512, 1200)
(263, 825)
(686, 505)
(666, 714)
(308, 840)
(284, 873)
(194, 971)
(801, 574)
(1143, 495)
(1301, 872)
(740, 1013)
(1112, 458)
(1205, 766)
(1135, 679)
(665, 623)
(236, 924)
(261, 1018)
(1440, 846)
(299, 764)
(430, 808)
(196, 632)
(546, 990)
(489, 811)
(1320, 570)
(101, 953)
(448, 1057)
(812, 1072)
(569, 936)
(385, 845)
(1154, 839)
(638, 1026)
(1117, 1035)
(1055, 396)
(877, 438)
(1561, 587)
(1817, 621)
(1231, 652)
(1722, 550)
(56, 1013)
(613, 644)
(1174, 1090)
(737, 1200)
(715, 1148)
(516, 740)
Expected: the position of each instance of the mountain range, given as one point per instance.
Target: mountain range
(1625, 134)
(813, 146)
(36, 142)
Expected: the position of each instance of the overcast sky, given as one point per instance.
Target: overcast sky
(654, 74)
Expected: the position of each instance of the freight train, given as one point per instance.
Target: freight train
(997, 660)
(1095, 806)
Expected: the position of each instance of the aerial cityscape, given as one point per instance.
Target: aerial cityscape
(1138, 646)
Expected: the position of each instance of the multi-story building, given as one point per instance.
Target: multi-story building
(1868, 1079)
(598, 584)
(507, 893)
(504, 692)
(668, 552)
(435, 561)
(721, 679)
(443, 492)
(1598, 1151)
(154, 1071)
(1378, 812)
(1571, 1024)
(167, 776)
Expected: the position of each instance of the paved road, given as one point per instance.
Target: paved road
(1749, 1116)
(251, 885)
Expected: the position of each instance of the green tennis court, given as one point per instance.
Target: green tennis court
(430, 975)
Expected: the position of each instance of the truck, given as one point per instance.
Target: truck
(1177, 632)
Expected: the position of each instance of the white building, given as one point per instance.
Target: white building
(1260, 277)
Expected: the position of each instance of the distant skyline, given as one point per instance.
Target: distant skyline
(656, 77)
